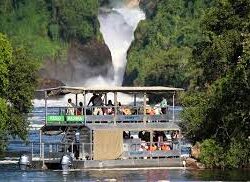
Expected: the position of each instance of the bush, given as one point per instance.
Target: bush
(238, 154)
(211, 153)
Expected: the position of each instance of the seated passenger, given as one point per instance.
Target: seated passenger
(80, 109)
(152, 148)
(127, 111)
(110, 110)
(70, 107)
(120, 108)
(165, 147)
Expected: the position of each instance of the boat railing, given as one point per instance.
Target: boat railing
(109, 114)
(147, 150)
(84, 151)
(54, 151)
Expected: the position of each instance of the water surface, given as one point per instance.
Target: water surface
(12, 173)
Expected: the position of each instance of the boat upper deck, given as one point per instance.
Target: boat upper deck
(139, 113)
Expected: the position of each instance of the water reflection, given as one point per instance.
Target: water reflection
(12, 173)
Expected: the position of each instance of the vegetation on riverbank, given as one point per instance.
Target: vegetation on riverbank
(164, 42)
(202, 46)
(218, 101)
(47, 26)
(18, 77)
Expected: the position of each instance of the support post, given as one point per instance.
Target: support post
(76, 100)
(43, 166)
(91, 144)
(151, 140)
(32, 150)
(105, 99)
(72, 148)
(116, 105)
(144, 107)
(46, 111)
(40, 142)
(85, 106)
(134, 99)
(173, 117)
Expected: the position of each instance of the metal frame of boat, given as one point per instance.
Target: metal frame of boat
(101, 142)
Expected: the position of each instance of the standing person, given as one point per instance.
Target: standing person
(164, 105)
(96, 100)
(70, 107)
(91, 100)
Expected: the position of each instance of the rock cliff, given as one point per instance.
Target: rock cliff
(83, 61)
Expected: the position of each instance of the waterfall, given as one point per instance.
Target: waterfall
(117, 25)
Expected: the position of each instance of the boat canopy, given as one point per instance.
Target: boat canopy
(167, 126)
(62, 90)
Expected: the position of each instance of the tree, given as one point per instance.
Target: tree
(217, 103)
(18, 83)
(76, 19)
(163, 43)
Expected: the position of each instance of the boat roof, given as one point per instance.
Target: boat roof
(62, 90)
(158, 126)
(136, 126)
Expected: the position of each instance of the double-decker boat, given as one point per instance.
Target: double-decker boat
(106, 135)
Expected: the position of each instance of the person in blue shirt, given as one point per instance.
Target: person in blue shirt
(164, 105)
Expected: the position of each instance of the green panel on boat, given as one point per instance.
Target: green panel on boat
(54, 119)
(75, 118)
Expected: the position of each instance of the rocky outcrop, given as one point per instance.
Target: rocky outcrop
(82, 62)
(149, 7)
(132, 3)
(49, 83)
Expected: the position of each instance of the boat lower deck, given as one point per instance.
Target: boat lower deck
(102, 164)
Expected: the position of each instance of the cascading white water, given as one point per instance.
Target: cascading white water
(117, 26)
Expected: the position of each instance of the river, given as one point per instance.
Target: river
(12, 173)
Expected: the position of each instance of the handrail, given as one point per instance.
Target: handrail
(55, 150)
(59, 115)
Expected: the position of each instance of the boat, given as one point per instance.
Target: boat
(119, 136)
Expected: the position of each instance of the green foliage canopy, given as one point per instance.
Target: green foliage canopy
(218, 101)
(18, 84)
(47, 26)
(163, 43)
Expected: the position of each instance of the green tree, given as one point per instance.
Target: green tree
(217, 103)
(163, 43)
(77, 19)
(18, 84)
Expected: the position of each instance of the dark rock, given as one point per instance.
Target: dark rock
(82, 62)
(149, 7)
(49, 83)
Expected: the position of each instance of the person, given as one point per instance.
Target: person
(70, 107)
(80, 109)
(96, 100)
(110, 110)
(165, 147)
(120, 108)
(164, 105)
(91, 100)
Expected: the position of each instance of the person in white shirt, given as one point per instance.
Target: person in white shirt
(70, 107)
